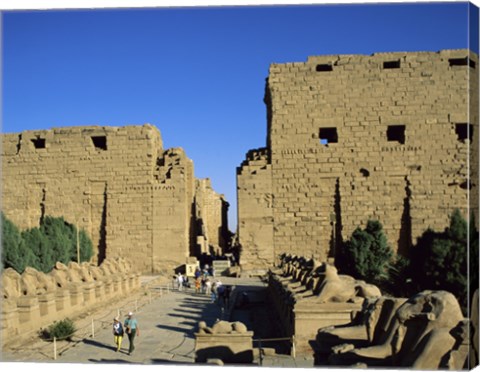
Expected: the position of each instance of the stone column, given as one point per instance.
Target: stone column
(131, 282)
(136, 282)
(28, 313)
(116, 284)
(76, 296)
(108, 286)
(125, 287)
(100, 292)
(48, 309)
(9, 321)
(62, 303)
(89, 297)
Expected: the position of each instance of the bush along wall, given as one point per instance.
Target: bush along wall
(366, 254)
(440, 260)
(446, 260)
(41, 247)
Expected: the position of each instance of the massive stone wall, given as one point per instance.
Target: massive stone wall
(211, 214)
(255, 210)
(354, 137)
(134, 198)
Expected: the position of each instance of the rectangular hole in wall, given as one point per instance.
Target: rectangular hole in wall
(396, 133)
(324, 68)
(464, 132)
(328, 135)
(39, 143)
(100, 142)
(461, 62)
(391, 64)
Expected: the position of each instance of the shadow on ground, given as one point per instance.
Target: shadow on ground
(185, 331)
(169, 361)
(99, 344)
(110, 361)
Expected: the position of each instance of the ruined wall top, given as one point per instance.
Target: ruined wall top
(377, 61)
(91, 138)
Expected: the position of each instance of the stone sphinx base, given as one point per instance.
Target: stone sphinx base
(30, 304)
(230, 348)
(309, 317)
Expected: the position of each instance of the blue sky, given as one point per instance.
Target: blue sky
(198, 74)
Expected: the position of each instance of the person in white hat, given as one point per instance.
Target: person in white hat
(131, 326)
(117, 333)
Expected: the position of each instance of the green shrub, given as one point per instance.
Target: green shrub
(61, 238)
(15, 253)
(41, 247)
(61, 330)
(439, 259)
(398, 281)
(366, 255)
(86, 247)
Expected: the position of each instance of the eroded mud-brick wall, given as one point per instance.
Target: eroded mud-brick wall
(211, 211)
(255, 210)
(132, 197)
(354, 137)
(173, 192)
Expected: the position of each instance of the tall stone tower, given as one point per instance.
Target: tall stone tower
(390, 136)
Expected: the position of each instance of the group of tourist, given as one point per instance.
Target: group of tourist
(182, 282)
(202, 282)
(218, 293)
(205, 284)
(221, 293)
(130, 326)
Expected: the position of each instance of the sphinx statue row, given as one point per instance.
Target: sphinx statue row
(33, 300)
(426, 331)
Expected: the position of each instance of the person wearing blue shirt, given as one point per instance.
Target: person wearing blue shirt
(131, 327)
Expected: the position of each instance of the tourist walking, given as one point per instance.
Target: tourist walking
(208, 287)
(131, 327)
(180, 282)
(186, 282)
(205, 271)
(220, 293)
(117, 333)
(198, 273)
(198, 283)
(226, 295)
(214, 292)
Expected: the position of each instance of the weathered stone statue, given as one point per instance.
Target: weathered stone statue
(475, 332)
(457, 358)
(95, 272)
(423, 313)
(29, 282)
(60, 275)
(342, 288)
(79, 272)
(11, 286)
(45, 283)
(354, 333)
(418, 336)
(222, 327)
(106, 267)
